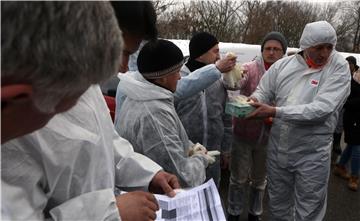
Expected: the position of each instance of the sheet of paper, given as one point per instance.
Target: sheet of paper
(198, 203)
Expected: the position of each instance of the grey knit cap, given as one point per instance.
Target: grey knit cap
(277, 36)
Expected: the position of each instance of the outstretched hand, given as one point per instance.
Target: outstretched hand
(164, 182)
(261, 111)
(226, 64)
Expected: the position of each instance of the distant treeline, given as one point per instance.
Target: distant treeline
(249, 21)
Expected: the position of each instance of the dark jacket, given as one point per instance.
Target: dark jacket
(352, 115)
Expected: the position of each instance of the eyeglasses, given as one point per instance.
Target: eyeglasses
(277, 50)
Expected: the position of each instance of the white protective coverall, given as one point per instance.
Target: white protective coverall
(204, 119)
(149, 121)
(187, 86)
(68, 169)
(307, 107)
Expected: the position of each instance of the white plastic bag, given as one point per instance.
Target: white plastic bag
(233, 77)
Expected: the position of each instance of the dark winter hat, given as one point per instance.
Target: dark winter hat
(352, 60)
(277, 36)
(159, 58)
(200, 43)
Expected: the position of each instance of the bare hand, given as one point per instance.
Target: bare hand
(252, 99)
(164, 182)
(245, 73)
(224, 160)
(137, 206)
(226, 64)
(262, 111)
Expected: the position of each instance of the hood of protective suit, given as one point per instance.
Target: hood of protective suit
(134, 86)
(316, 33)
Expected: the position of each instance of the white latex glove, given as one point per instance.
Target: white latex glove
(197, 148)
(213, 153)
(210, 159)
(200, 149)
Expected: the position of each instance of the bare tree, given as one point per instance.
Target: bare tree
(348, 28)
(245, 17)
(218, 17)
(248, 21)
(354, 13)
(356, 44)
(161, 6)
(292, 19)
(328, 12)
(177, 23)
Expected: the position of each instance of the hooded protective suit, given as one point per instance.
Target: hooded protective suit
(68, 170)
(149, 121)
(307, 106)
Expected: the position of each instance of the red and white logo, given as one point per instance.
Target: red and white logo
(314, 82)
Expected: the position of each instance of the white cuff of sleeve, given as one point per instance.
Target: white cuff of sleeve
(279, 112)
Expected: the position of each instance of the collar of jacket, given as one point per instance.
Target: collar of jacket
(267, 65)
(193, 65)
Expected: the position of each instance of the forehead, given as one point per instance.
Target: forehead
(214, 48)
(174, 73)
(272, 43)
(322, 46)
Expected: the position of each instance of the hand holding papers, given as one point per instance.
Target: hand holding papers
(198, 203)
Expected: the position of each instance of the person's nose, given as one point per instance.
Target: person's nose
(325, 52)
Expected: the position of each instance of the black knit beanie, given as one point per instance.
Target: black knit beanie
(200, 43)
(352, 60)
(159, 58)
(274, 35)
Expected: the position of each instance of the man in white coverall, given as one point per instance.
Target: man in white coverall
(68, 170)
(148, 118)
(37, 81)
(308, 90)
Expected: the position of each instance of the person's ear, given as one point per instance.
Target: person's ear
(161, 81)
(15, 93)
(200, 58)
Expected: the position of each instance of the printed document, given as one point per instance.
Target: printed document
(198, 203)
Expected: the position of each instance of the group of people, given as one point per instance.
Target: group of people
(351, 129)
(64, 159)
(61, 158)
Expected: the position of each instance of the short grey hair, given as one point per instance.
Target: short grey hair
(60, 48)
